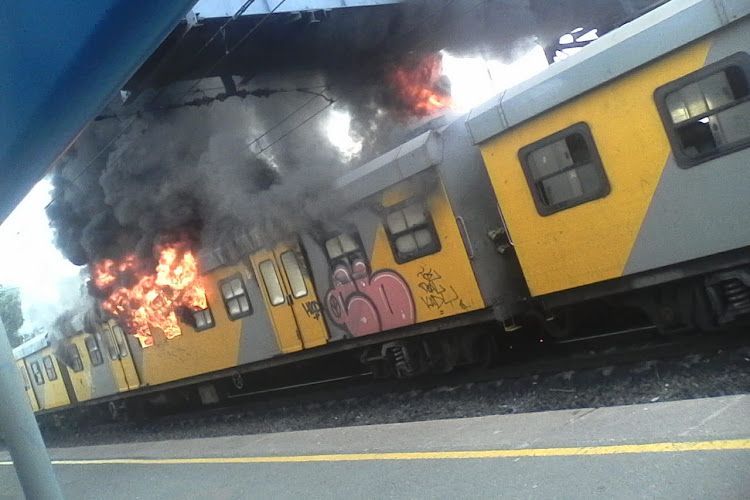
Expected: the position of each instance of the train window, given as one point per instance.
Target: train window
(36, 371)
(122, 345)
(236, 299)
(341, 245)
(344, 248)
(294, 273)
(564, 170)
(76, 363)
(49, 367)
(109, 340)
(95, 355)
(203, 319)
(271, 280)
(411, 232)
(707, 113)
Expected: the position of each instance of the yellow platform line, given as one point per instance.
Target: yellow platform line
(727, 444)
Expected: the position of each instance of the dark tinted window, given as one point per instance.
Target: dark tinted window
(564, 170)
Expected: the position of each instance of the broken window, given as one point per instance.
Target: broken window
(49, 367)
(564, 170)
(236, 298)
(707, 113)
(411, 232)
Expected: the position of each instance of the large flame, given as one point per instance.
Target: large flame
(421, 87)
(141, 297)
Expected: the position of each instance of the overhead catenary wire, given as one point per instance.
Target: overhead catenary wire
(331, 101)
(161, 90)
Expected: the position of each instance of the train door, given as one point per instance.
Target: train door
(290, 298)
(123, 366)
(27, 384)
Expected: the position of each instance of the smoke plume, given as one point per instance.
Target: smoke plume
(186, 170)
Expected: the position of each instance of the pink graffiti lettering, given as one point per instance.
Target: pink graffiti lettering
(365, 303)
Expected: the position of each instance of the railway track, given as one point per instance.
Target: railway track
(550, 371)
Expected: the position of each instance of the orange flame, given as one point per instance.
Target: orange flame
(418, 88)
(151, 297)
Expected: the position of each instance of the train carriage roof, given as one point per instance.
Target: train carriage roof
(31, 346)
(646, 38)
(414, 156)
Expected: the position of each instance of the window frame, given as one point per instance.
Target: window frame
(275, 268)
(604, 188)
(111, 343)
(210, 324)
(36, 372)
(428, 224)
(345, 257)
(76, 367)
(232, 317)
(122, 347)
(49, 368)
(684, 161)
(98, 350)
(300, 270)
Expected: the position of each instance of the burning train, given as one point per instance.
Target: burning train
(618, 175)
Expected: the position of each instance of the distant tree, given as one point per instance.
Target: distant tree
(11, 314)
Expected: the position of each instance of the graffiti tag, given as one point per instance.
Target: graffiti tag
(436, 295)
(313, 309)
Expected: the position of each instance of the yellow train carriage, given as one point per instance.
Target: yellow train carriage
(628, 157)
(98, 364)
(27, 384)
(46, 387)
(234, 330)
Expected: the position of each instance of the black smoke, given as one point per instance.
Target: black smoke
(236, 172)
(188, 171)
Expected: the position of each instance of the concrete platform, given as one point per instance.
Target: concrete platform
(681, 450)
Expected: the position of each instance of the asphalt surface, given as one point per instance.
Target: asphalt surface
(684, 449)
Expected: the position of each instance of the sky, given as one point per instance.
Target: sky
(30, 261)
(50, 284)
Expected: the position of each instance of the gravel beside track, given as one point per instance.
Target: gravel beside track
(672, 371)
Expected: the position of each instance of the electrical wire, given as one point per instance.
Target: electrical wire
(331, 101)
(160, 91)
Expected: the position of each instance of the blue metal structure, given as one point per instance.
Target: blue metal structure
(62, 60)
